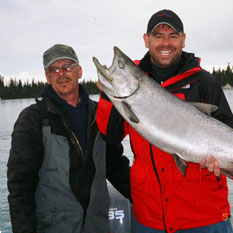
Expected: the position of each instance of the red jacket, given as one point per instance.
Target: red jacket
(162, 197)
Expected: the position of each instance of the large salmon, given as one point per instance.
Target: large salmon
(185, 130)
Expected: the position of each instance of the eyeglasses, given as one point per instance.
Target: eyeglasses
(55, 70)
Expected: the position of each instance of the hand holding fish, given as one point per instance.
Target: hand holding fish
(99, 85)
(213, 165)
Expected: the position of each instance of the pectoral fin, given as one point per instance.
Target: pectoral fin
(205, 108)
(227, 173)
(129, 113)
(180, 163)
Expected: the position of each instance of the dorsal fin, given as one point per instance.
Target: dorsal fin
(205, 108)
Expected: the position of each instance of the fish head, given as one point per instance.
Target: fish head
(122, 78)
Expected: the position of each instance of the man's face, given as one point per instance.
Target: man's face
(63, 76)
(165, 45)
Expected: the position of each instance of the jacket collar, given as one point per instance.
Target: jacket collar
(183, 76)
(55, 108)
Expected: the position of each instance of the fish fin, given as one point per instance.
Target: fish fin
(205, 108)
(129, 113)
(228, 173)
(181, 164)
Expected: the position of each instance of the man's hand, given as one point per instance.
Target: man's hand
(213, 165)
(99, 85)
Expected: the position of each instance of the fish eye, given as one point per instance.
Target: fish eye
(120, 65)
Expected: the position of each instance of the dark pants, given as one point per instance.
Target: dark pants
(221, 227)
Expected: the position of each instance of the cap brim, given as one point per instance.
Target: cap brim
(59, 58)
(163, 23)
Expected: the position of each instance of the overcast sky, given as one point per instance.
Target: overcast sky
(93, 27)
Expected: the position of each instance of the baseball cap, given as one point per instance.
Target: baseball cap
(165, 17)
(58, 52)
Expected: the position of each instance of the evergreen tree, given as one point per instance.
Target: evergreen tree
(229, 75)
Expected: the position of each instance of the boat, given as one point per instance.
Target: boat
(121, 217)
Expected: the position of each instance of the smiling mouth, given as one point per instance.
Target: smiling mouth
(165, 53)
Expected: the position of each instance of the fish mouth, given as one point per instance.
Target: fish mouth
(104, 77)
(104, 71)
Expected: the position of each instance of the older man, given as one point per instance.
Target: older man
(57, 165)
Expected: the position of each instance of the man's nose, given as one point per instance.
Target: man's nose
(61, 71)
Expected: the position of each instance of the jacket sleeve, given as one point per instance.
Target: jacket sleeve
(23, 165)
(118, 169)
(112, 126)
(215, 95)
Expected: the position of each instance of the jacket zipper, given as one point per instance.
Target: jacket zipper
(76, 141)
(154, 167)
(157, 175)
(92, 123)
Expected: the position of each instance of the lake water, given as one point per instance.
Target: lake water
(9, 111)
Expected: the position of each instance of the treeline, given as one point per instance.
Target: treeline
(224, 76)
(16, 89)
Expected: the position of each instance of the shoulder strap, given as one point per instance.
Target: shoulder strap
(43, 111)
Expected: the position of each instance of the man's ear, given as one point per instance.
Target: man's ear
(80, 72)
(183, 42)
(146, 40)
(47, 78)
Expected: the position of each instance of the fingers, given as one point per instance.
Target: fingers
(213, 165)
(216, 168)
(99, 85)
(203, 163)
